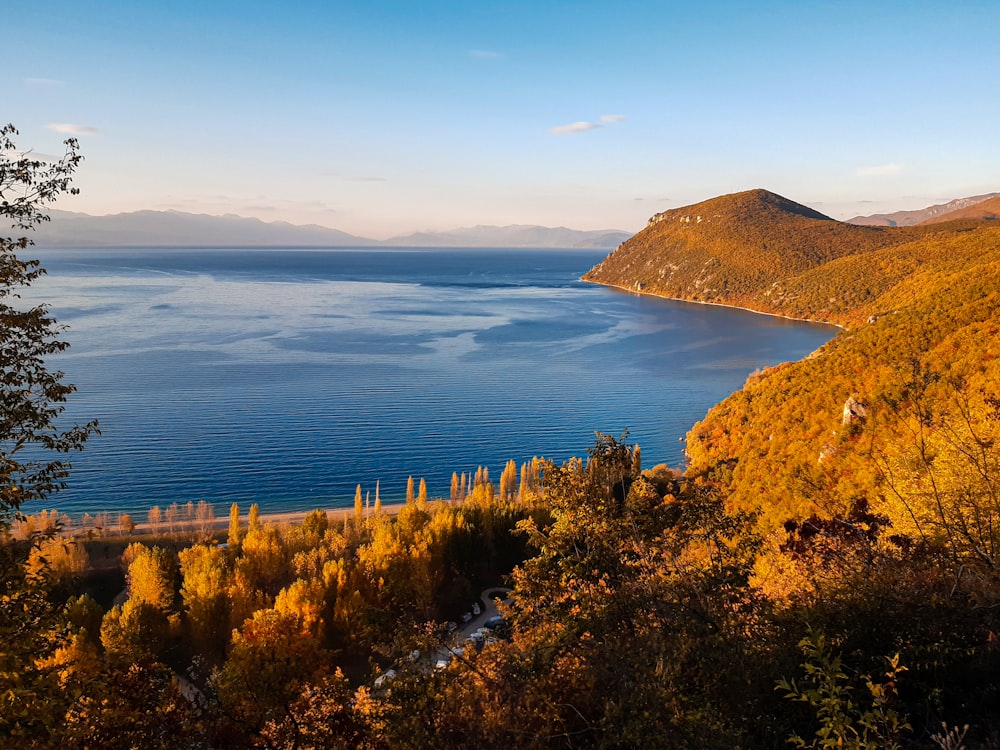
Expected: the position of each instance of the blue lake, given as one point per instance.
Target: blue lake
(287, 377)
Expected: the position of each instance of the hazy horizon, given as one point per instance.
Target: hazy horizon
(388, 118)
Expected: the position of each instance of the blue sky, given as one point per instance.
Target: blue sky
(380, 118)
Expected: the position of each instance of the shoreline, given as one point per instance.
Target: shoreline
(220, 523)
(629, 290)
(216, 525)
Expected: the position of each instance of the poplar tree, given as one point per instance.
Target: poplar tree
(523, 489)
(154, 517)
(235, 530)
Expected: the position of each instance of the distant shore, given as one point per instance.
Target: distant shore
(291, 517)
(218, 523)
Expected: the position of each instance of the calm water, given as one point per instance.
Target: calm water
(287, 377)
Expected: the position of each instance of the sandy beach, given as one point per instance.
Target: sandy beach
(219, 524)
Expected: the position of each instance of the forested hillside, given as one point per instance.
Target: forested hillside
(918, 304)
(934, 318)
(987, 210)
(871, 467)
(824, 574)
(735, 248)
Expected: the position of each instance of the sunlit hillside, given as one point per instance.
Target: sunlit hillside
(735, 248)
(922, 310)
(988, 210)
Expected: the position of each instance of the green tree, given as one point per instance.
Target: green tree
(314, 526)
(845, 721)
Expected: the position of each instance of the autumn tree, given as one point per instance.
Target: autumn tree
(321, 716)
(204, 514)
(32, 395)
(151, 575)
(135, 631)
(629, 620)
(33, 442)
(57, 561)
(173, 515)
(272, 657)
(235, 535)
(265, 559)
(508, 479)
(154, 518)
(204, 591)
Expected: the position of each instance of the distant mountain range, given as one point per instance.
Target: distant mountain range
(179, 229)
(924, 215)
(986, 210)
(515, 235)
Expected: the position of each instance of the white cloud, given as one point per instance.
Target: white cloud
(484, 54)
(613, 118)
(574, 127)
(879, 170)
(67, 128)
(33, 155)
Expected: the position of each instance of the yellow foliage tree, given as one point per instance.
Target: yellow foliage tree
(204, 591)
